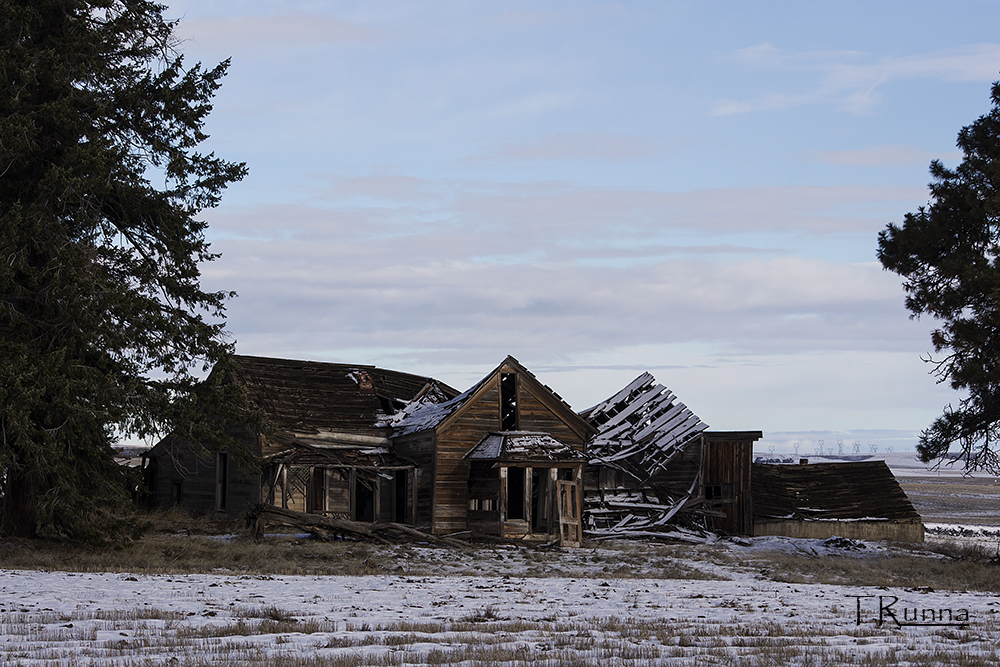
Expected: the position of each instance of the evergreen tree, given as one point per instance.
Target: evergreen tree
(949, 255)
(103, 322)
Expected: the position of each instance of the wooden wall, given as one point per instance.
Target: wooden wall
(536, 416)
(481, 415)
(451, 488)
(726, 468)
(484, 491)
(895, 531)
(420, 448)
(683, 471)
(174, 467)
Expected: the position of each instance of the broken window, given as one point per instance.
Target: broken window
(481, 504)
(719, 492)
(508, 402)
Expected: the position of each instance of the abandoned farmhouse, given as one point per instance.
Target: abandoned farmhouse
(509, 458)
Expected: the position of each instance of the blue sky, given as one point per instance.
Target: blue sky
(599, 189)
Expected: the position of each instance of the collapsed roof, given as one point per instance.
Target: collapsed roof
(313, 396)
(829, 491)
(641, 428)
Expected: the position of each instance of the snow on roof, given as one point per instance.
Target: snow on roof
(643, 416)
(426, 412)
(522, 446)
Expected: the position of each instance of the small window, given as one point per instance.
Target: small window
(713, 492)
(481, 504)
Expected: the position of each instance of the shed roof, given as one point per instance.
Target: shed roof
(859, 490)
(318, 395)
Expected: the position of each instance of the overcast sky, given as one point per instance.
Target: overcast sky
(598, 189)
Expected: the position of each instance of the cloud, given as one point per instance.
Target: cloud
(598, 146)
(809, 343)
(385, 186)
(557, 223)
(850, 80)
(476, 280)
(565, 278)
(272, 32)
(877, 156)
(603, 216)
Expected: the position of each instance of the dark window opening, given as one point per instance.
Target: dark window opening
(221, 480)
(508, 401)
(364, 501)
(175, 492)
(541, 500)
(515, 493)
(317, 499)
(719, 492)
(399, 497)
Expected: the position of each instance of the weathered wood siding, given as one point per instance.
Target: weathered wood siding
(451, 488)
(476, 419)
(682, 472)
(726, 469)
(536, 416)
(895, 531)
(484, 498)
(420, 448)
(177, 476)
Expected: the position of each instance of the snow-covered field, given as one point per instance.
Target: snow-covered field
(738, 602)
(742, 617)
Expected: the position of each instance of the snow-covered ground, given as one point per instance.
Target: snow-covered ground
(49, 618)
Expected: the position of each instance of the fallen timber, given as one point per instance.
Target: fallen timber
(321, 527)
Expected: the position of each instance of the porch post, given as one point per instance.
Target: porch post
(503, 497)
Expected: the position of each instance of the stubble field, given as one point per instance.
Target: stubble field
(184, 599)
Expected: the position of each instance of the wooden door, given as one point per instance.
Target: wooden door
(570, 525)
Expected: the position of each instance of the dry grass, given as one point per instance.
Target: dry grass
(488, 640)
(938, 566)
(199, 548)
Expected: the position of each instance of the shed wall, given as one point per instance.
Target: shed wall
(855, 530)
(727, 469)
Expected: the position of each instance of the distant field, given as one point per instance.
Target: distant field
(954, 499)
